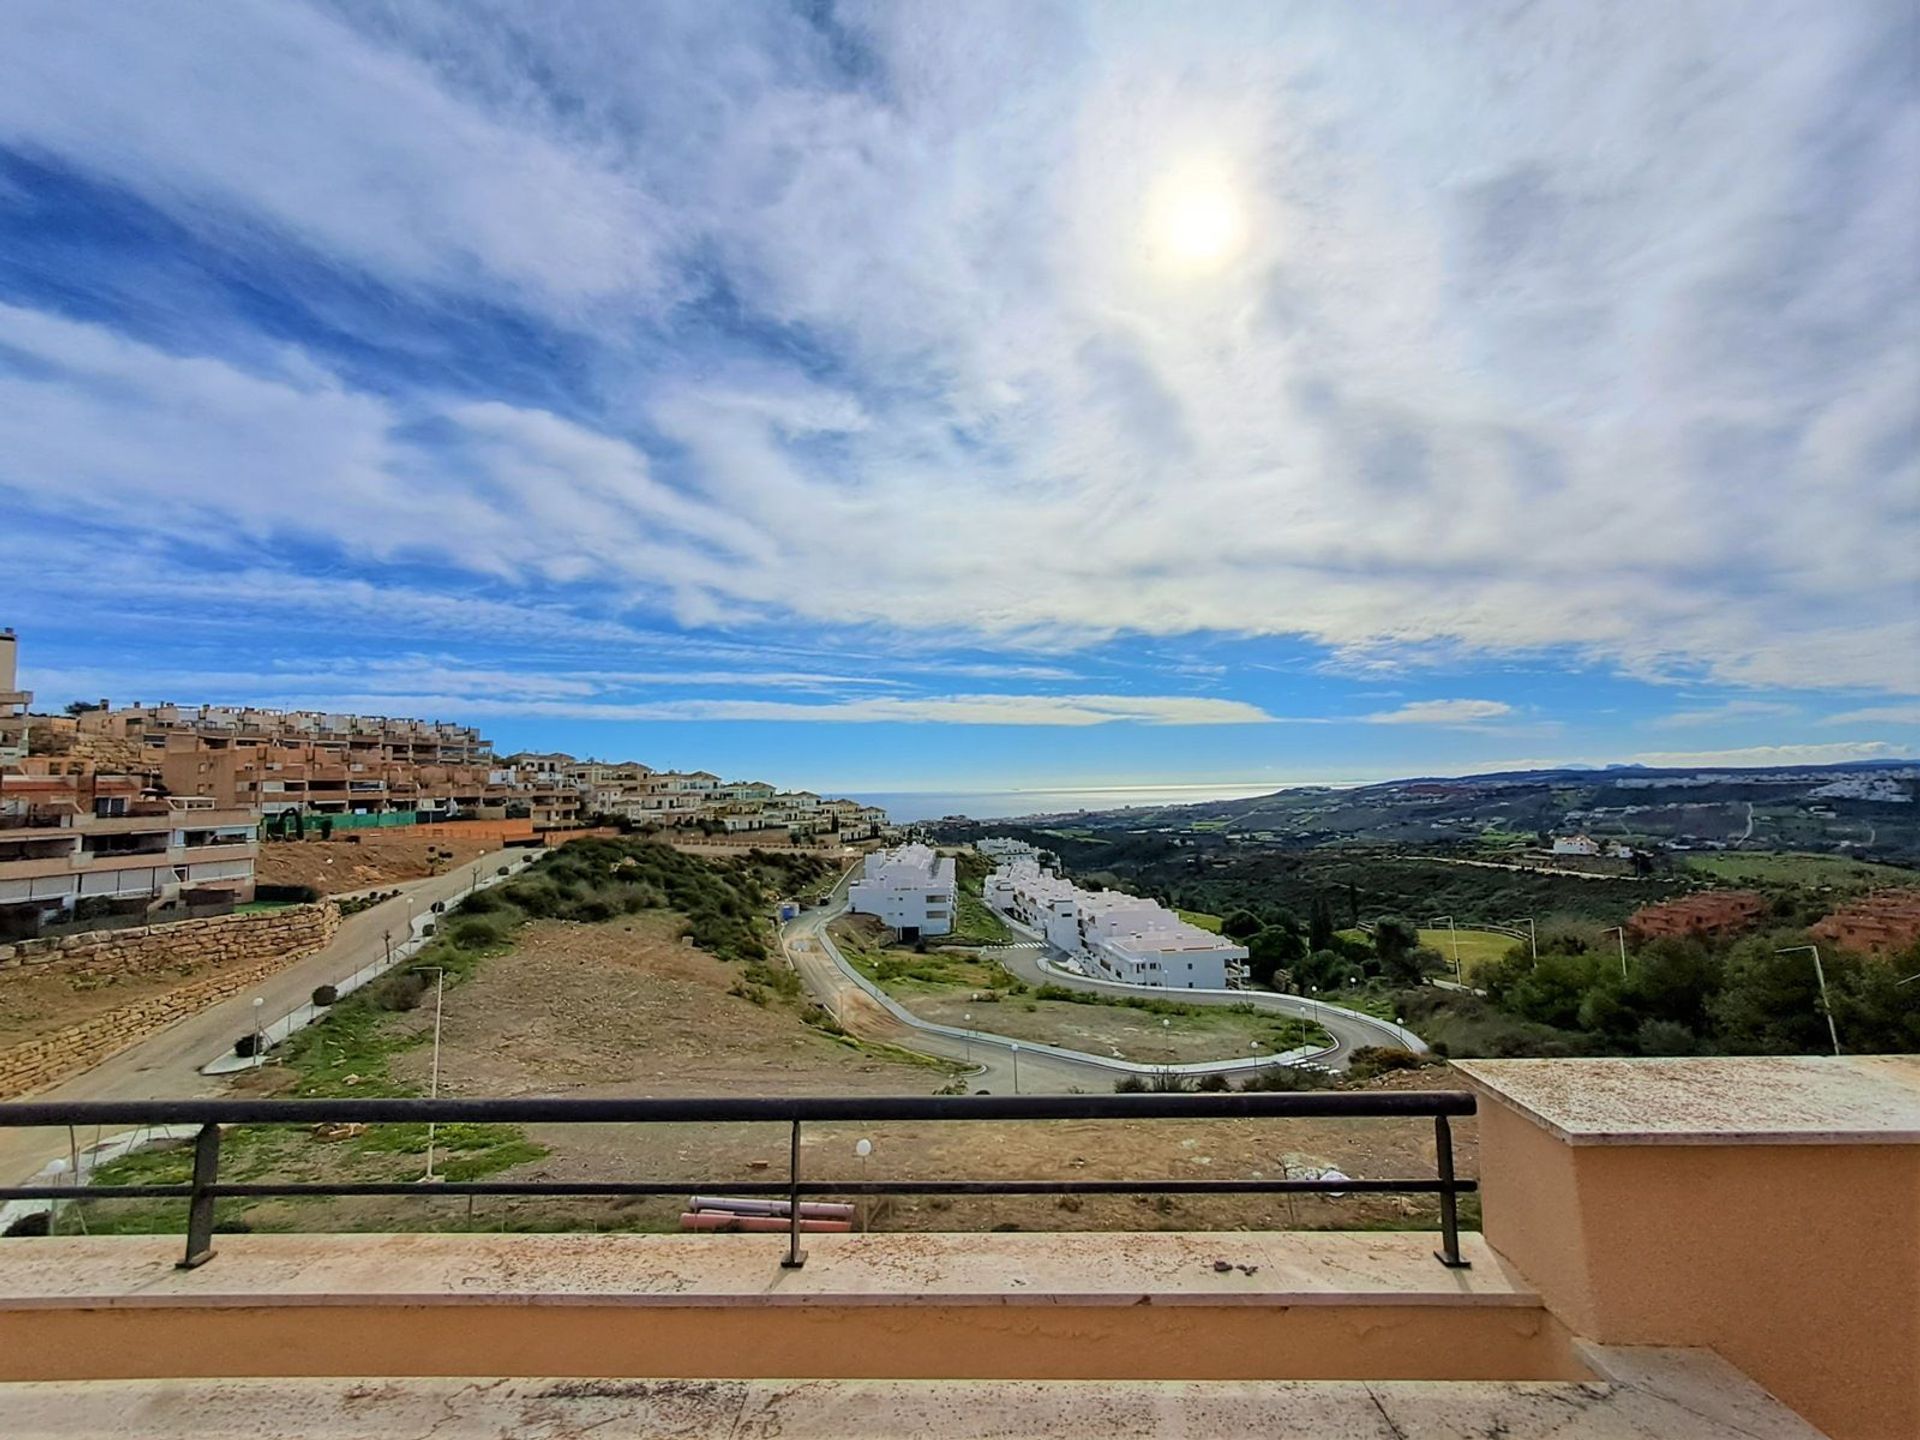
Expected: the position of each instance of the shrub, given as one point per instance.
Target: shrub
(1213, 1083)
(324, 995)
(398, 990)
(245, 1045)
(1370, 1061)
(1169, 1082)
(1129, 1085)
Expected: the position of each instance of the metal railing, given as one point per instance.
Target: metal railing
(205, 1187)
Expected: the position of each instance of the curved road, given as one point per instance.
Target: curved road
(1350, 1028)
(853, 1002)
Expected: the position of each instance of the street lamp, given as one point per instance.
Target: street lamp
(1820, 973)
(1533, 944)
(1621, 931)
(258, 1002)
(967, 1017)
(1015, 1048)
(1453, 935)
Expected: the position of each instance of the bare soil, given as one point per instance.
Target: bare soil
(626, 1009)
(37, 1001)
(362, 860)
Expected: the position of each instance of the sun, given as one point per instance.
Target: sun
(1196, 219)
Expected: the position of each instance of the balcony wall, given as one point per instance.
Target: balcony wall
(1766, 1208)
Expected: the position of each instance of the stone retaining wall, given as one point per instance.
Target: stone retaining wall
(245, 949)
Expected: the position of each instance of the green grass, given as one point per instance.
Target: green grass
(975, 924)
(1478, 948)
(1200, 918)
(1797, 869)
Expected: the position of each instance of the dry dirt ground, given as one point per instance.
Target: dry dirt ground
(34, 1002)
(626, 1009)
(365, 860)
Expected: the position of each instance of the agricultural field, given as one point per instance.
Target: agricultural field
(1836, 871)
(954, 988)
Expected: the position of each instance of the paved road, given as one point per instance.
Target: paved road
(1042, 1069)
(1350, 1029)
(167, 1063)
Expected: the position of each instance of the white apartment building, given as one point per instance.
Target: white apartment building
(1004, 847)
(1123, 937)
(910, 888)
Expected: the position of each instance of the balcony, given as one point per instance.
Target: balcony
(1671, 1249)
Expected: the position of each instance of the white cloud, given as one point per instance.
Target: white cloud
(1833, 754)
(1877, 714)
(1731, 710)
(1050, 710)
(1472, 384)
(1442, 712)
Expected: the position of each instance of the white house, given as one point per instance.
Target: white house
(1575, 845)
(910, 888)
(1125, 937)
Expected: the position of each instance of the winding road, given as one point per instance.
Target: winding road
(869, 1013)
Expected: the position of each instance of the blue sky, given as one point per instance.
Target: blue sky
(924, 396)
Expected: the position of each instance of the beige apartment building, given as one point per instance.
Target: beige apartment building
(79, 846)
(13, 701)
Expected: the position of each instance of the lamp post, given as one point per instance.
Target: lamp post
(967, 1018)
(1533, 944)
(258, 1002)
(1621, 931)
(1015, 1048)
(1454, 936)
(863, 1147)
(1820, 973)
(433, 1085)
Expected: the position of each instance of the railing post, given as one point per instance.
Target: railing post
(206, 1171)
(1449, 1254)
(795, 1257)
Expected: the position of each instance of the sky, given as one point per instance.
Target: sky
(919, 396)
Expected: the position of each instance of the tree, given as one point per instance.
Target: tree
(1393, 941)
(1271, 951)
(1241, 925)
(1320, 924)
(82, 707)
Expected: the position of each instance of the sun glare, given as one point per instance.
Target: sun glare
(1196, 219)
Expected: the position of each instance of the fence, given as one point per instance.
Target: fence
(206, 1187)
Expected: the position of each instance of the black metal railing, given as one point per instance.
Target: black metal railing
(205, 1187)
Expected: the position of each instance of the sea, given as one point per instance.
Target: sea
(912, 805)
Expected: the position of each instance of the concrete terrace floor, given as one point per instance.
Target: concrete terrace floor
(1650, 1395)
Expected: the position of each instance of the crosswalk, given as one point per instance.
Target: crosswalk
(1022, 945)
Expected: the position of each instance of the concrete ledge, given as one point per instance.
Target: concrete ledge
(1771, 1100)
(1072, 1268)
(1700, 1399)
(1028, 1306)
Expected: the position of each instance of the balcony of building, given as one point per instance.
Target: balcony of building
(1700, 1250)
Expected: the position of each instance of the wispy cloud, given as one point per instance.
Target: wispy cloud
(1041, 710)
(1836, 753)
(1442, 712)
(1730, 710)
(810, 331)
(1877, 714)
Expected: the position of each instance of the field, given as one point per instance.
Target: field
(1478, 948)
(1200, 918)
(1836, 871)
(951, 988)
(370, 859)
(625, 1007)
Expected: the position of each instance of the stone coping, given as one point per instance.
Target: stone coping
(1078, 1268)
(1647, 1395)
(1759, 1100)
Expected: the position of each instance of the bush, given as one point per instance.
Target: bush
(324, 995)
(1286, 1078)
(1130, 1085)
(398, 990)
(1370, 1061)
(1214, 1083)
(1169, 1082)
(244, 1047)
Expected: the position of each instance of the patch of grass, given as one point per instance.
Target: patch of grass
(1837, 871)
(1200, 918)
(1478, 948)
